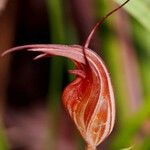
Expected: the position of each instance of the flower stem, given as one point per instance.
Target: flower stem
(90, 147)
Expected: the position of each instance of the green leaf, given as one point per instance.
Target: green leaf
(129, 148)
(55, 9)
(139, 9)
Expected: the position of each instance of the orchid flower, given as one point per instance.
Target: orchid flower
(89, 99)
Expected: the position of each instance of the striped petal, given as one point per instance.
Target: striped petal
(89, 99)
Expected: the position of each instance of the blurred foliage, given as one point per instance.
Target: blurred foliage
(3, 144)
(59, 35)
(140, 10)
(129, 148)
(58, 66)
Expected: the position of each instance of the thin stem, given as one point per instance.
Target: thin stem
(88, 40)
(90, 147)
(99, 23)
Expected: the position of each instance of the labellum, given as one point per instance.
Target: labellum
(89, 99)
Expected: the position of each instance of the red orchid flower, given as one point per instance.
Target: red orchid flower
(89, 99)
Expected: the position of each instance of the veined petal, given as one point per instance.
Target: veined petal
(89, 99)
